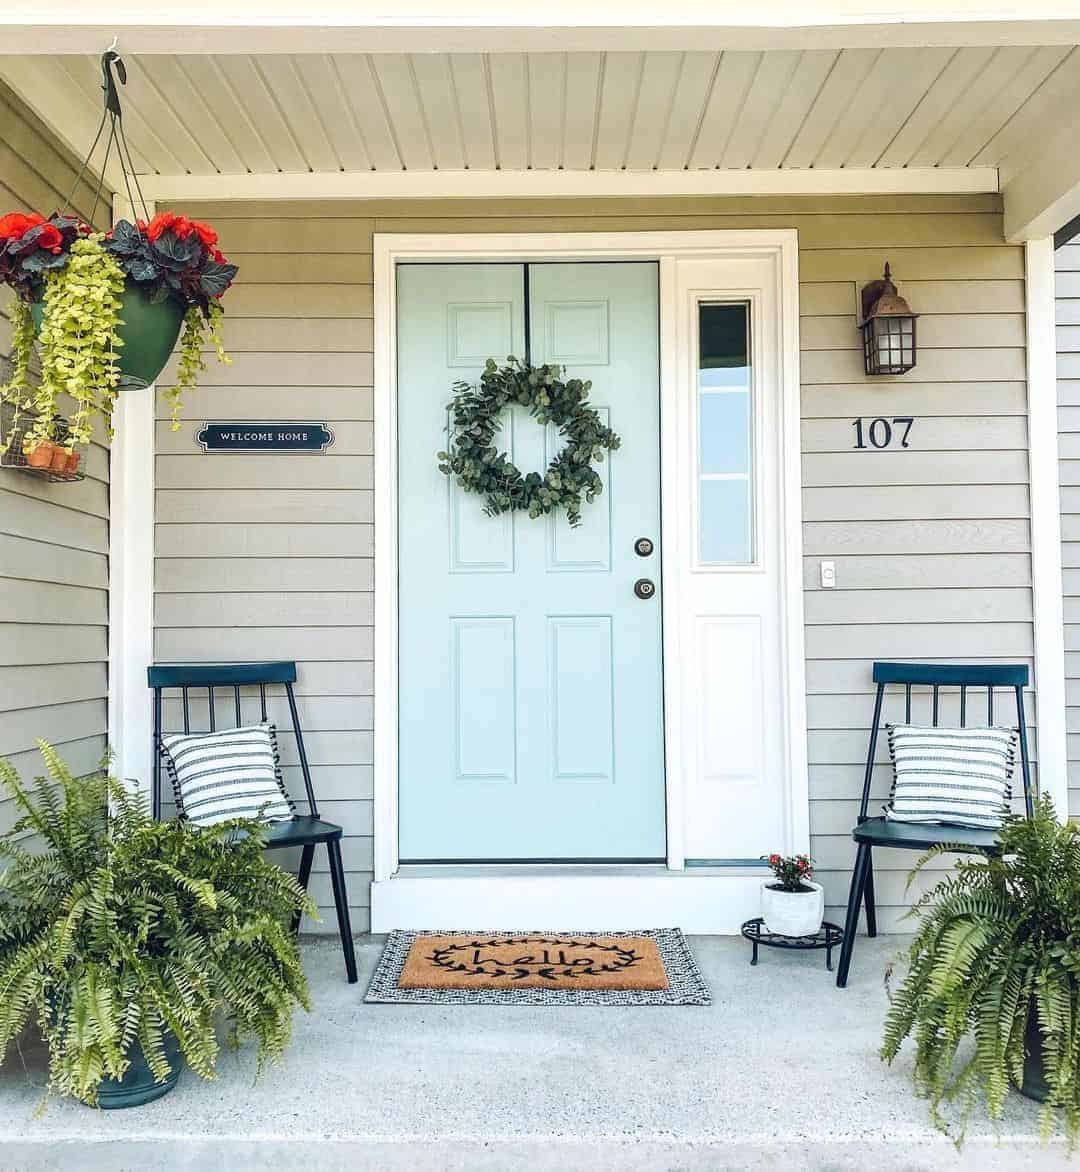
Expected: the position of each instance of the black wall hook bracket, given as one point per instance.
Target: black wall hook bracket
(113, 71)
(109, 59)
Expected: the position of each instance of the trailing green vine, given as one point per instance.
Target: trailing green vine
(478, 465)
(18, 391)
(78, 341)
(198, 328)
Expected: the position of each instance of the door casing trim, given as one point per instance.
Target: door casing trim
(666, 248)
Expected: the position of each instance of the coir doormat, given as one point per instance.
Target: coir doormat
(651, 967)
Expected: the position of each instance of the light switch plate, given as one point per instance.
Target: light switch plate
(828, 575)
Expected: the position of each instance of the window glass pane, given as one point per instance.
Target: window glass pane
(722, 344)
(725, 521)
(733, 378)
(725, 435)
(724, 432)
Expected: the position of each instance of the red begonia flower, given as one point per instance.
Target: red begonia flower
(49, 237)
(162, 222)
(205, 233)
(16, 224)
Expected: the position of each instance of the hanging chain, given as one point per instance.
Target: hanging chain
(113, 115)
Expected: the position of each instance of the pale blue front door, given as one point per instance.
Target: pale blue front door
(530, 674)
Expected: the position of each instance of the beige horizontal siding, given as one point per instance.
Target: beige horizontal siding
(284, 570)
(53, 537)
(36, 173)
(1067, 264)
(260, 557)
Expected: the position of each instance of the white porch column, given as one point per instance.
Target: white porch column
(1046, 522)
(131, 575)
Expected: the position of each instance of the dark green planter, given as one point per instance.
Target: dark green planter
(149, 334)
(138, 1086)
(1034, 1084)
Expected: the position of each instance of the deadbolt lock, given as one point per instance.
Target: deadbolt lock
(643, 547)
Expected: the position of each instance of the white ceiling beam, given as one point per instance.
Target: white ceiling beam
(48, 90)
(581, 184)
(1045, 194)
(336, 26)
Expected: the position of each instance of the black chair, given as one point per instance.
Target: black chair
(303, 830)
(871, 832)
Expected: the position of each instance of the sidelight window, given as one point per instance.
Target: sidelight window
(725, 435)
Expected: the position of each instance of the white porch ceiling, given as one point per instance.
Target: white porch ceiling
(887, 108)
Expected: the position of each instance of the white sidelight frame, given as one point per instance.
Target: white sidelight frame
(703, 900)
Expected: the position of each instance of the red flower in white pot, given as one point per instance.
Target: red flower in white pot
(792, 904)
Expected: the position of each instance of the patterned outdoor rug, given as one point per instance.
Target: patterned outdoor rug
(653, 967)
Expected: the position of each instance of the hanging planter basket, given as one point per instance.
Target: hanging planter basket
(106, 309)
(149, 332)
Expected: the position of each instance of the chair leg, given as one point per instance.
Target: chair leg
(868, 897)
(341, 902)
(851, 924)
(306, 856)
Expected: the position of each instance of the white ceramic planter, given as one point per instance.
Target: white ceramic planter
(793, 913)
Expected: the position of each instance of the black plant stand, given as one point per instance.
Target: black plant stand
(828, 936)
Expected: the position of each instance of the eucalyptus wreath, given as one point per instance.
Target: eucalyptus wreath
(478, 465)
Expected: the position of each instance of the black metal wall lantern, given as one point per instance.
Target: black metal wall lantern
(888, 328)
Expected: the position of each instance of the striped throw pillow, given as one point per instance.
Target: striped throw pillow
(952, 776)
(227, 774)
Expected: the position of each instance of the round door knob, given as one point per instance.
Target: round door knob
(644, 588)
(643, 547)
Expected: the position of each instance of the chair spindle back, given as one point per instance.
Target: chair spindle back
(1010, 676)
(184, 677)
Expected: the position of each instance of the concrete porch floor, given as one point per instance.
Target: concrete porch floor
(781, 1071)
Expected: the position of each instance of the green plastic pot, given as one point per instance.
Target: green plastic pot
(138, 1085)
(149, 332)
(1034, 1085)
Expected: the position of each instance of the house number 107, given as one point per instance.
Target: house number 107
(880, 431)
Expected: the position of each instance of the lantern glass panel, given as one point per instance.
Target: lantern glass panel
(889, 344)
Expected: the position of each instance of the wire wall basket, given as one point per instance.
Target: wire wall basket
(49, 461)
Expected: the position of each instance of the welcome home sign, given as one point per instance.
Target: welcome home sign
(255, 436)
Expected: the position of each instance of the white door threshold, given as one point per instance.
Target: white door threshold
(713, 901)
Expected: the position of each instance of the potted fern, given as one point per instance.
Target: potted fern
(991, 994)
(126, 938)
(106, 310)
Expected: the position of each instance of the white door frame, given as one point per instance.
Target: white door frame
(667, 248)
